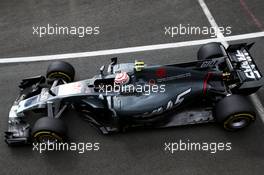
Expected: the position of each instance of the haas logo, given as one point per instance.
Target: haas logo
(171, 104)
(178, 100)
(247, 64)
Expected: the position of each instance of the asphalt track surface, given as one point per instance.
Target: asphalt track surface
(125, 24)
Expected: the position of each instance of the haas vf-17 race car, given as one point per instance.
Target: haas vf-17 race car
(212, 89)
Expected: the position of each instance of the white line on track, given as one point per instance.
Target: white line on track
(129, 49)
(212, 22)
(253, 97)
(258, 105)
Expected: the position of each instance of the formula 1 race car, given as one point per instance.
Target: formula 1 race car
(212, 89)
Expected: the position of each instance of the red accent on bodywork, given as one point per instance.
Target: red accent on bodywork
(161, 72)
(208, 75)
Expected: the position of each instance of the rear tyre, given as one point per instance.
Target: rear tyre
(49, 130)
(61, 70)
(210, 50)
(234, 112)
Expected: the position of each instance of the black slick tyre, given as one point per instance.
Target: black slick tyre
(49, 129)
(234, 112)
(61, 70)
(210, 50)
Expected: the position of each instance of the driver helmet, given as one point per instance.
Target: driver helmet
(121, 78)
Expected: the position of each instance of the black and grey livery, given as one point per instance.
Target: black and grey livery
(214, 88)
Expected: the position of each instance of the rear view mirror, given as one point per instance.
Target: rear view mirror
(102, 70)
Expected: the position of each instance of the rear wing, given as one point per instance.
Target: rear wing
(241, 62)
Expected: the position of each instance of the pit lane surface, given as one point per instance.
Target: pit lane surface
(135, 152)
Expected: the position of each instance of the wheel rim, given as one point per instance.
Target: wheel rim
(239, 123)
(60, 75)
(47, 138)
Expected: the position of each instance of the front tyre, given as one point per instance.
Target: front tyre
(61, 70)
(49, 130)
(234, 112)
